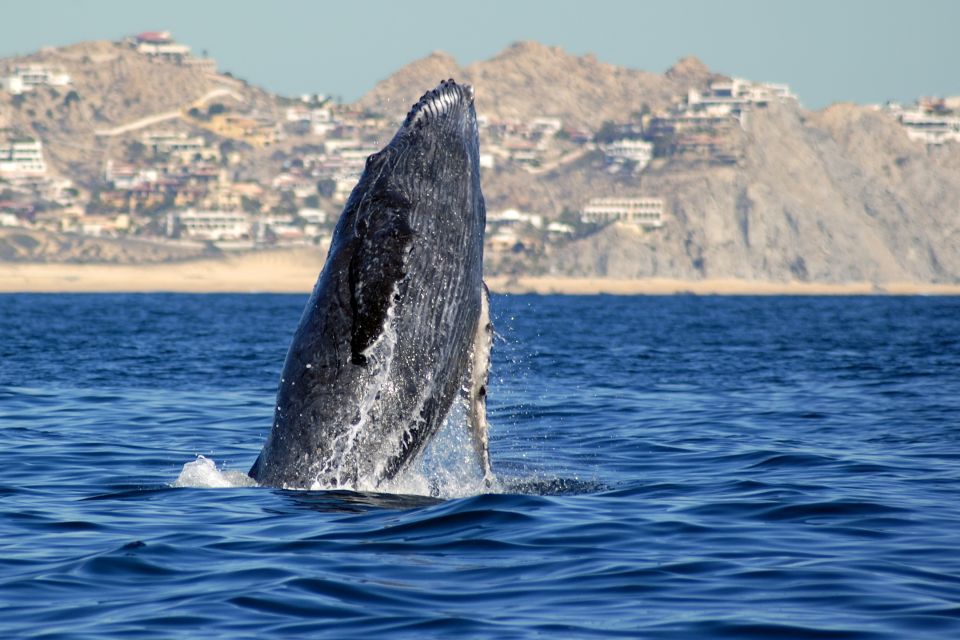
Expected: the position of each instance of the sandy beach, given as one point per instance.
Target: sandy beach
(295, 271)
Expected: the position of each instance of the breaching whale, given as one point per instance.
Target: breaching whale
(397, 327)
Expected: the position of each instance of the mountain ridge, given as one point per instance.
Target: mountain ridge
(835, 195)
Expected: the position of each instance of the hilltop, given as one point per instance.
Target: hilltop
(529, 79)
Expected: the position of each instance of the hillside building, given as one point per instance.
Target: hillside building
(545, 127)
(641, 211)
(513, 217)
(169, 142)
(629, 150)
(257, 132)
(930, 128)
(159, 44)
(21, 157)
(317, 120)
(733, 96)
(209, 225)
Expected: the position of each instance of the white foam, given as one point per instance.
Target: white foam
(203, 473)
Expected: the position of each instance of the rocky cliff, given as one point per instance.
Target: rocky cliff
(834, 196)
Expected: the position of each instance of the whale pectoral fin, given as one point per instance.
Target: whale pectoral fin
(383, 240)
(479, 375)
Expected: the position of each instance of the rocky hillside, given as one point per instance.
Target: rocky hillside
(832, 196)
(528, 79)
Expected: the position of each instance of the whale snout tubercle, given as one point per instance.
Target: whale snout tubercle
(447, 97)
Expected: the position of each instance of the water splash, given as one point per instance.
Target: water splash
(448, 467)
(203, 473)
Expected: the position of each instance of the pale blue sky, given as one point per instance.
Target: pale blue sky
(828, 51)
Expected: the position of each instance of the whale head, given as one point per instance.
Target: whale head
(417, 213)
(431, 166)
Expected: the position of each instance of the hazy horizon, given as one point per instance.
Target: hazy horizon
(855, 51)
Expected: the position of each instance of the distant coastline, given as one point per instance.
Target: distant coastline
(139, 151)
(295, 271)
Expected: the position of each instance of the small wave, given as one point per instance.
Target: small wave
(203, 473)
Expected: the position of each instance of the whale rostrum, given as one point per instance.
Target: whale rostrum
(397, 327)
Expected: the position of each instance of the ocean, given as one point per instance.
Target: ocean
(667, 467)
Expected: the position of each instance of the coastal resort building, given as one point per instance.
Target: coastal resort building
(168, 142)
(641, 211)
(209, 225)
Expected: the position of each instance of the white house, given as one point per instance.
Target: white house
(509, 217)
(313, 216)
(28, 77)
(930, 128)
(160, 44)
(9, 220)
(626, 149)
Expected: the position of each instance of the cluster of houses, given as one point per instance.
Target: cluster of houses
(190, 180)
(704, 124)
(191, 183)
(24, 179)
(180, 182)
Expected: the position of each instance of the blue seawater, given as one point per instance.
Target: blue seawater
(670, 467)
